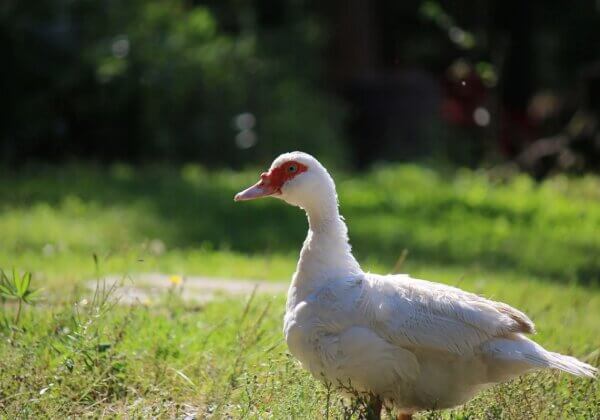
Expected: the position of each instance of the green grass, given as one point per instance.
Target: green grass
(535, 246)
(53, 220)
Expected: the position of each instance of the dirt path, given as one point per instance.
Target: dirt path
(148, 287)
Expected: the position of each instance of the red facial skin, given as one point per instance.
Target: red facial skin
(278, 176)
(271, 182)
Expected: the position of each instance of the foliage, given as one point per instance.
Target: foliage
(149, 79)
(17, 288)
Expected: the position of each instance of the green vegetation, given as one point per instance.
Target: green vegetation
(185, 221)
(534, 246)
(148, 79)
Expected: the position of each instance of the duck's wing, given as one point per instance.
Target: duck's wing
(420, 314)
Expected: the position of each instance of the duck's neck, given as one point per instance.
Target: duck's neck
(326, 254)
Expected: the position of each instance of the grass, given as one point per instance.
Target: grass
(535, 246)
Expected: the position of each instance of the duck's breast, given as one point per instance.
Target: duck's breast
(330, 336)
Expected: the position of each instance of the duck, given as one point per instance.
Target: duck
(403, 343)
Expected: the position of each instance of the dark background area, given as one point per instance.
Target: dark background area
(227, 83)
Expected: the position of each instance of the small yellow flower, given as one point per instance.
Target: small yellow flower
(175, 280)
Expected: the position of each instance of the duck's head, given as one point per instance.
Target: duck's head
(297, 178)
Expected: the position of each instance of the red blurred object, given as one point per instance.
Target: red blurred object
(462, 92)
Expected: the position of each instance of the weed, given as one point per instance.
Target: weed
(18, 288)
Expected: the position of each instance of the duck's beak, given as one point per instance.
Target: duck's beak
(262, 188)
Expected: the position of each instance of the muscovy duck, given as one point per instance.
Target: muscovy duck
(408, 343)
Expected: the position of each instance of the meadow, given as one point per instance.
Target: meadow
(78, 352)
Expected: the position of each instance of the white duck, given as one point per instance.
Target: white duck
(409, 343)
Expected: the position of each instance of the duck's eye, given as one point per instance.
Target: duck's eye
(292, 168)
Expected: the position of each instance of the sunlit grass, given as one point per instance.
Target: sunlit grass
(226, 358)
(54, 219)
(534, 246)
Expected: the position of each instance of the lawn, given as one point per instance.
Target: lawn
(535, 246)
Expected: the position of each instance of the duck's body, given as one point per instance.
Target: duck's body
(415, 344)
(412, 343)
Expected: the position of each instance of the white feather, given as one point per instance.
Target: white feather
(415, 343)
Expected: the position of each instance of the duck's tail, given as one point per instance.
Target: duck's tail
(524, 352)
(569, 364)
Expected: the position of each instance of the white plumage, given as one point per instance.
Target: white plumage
(412, 343)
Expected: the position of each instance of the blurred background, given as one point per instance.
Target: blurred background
(464, 135)
(228, 83)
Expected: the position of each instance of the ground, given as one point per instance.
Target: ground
(79, 353)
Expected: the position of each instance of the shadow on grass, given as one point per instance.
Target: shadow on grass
(192, 207)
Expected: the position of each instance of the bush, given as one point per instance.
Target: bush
(151, 79)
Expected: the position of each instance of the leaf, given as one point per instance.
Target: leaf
(18, 284)
(4, 290)
(7, 288)
(16, 281)
(33, 296)
(184, 377)
(24, 284)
